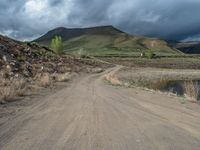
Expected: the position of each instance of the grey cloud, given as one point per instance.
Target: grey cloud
(174, 20)
(55, 2)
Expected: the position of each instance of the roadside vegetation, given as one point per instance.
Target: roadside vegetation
(16, 87)
(192, 89)
(11, 88)
(182, 83)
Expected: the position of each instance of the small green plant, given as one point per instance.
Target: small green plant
(57, 45)
(150, 54)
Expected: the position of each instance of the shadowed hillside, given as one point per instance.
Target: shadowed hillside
(188, 47)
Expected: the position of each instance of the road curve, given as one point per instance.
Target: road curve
(93, 115)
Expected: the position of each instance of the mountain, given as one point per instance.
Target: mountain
(67, 34)
(105, 40)
(188, 47)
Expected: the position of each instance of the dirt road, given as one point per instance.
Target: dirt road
(92, 115)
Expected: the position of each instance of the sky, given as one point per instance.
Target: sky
(166, 19)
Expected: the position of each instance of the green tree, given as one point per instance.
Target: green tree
(57, 45)
(151, 54)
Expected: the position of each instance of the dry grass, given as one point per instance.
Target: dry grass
(159, 84)
(64, 77)
(6, 93)
(20, 86)
(44, 80)
(179, 82)
(11, 88)
(113, 79)
(192, 89)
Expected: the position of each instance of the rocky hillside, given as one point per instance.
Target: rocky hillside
(28, 59)
(23, 58)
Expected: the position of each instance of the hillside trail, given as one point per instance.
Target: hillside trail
(93, 115)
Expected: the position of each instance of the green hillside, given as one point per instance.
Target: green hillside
(106, 41)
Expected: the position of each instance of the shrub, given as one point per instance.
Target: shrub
(20, 86)
(9, 89)
(150, 54)
(6, 93)
(57, 45)
(64, 77)
(44, 80)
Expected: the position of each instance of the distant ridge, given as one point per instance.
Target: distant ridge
(69, 33)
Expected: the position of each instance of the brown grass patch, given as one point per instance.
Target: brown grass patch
(11, 88)
(44, 80)
(6, 93)
(63, 77)
(192, 89)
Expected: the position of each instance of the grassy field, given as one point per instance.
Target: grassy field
(161, 62)
(115, 52)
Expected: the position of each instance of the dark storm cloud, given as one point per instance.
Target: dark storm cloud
(89, 12)
(171, 19)
(55, 2)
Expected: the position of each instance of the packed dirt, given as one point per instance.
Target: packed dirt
(90, 114)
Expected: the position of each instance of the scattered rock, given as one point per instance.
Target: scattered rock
(4, 58)
(97, 70)
(62, 77)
